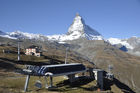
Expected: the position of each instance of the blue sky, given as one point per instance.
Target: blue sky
(111, 18)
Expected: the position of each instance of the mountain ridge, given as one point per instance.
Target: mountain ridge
(78, 29)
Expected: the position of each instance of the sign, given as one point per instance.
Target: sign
(38, 84)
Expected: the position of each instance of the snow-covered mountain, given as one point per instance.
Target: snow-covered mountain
(132, 44)
(25, 35)
(134, 41)
(78, 29)
(116, 41)
(6, 35)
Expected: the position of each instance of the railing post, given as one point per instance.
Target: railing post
(51, 81)
(46, 83)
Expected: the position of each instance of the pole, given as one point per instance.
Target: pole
(26, 83)
(66, 56)
(18, 51)
(51, 81)
(46, 85)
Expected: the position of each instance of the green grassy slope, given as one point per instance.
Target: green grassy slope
(14, 83)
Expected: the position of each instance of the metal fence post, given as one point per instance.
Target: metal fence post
(51, 81)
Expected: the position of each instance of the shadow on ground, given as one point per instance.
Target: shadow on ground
(108, 83)
(84, 80)
(65, 85)
(122, 86)
(9, 64)
(51, 61)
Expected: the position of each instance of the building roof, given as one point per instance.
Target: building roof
(33, 46)
(59, 65)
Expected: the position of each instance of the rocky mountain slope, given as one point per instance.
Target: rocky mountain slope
(56, 51)
(103, 54)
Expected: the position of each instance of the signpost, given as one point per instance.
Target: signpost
(26, 83)
(38, 84)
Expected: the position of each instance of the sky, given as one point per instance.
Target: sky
(111, 18)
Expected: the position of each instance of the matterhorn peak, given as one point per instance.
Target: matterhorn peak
(77, 25)
(77, 14)
(79, 29)
(78, 19)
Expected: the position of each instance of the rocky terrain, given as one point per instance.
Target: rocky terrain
(51, 51)
(125, 66)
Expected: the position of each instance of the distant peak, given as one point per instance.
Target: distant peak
(79, 29)
(78, 19)
(16, 31)
(77, 14)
